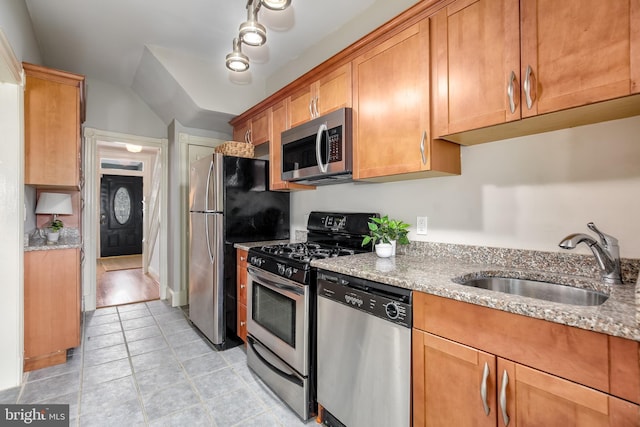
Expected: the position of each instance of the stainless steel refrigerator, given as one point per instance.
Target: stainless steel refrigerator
(229, 203)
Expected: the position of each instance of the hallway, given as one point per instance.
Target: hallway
(145, 365)
(120, 282)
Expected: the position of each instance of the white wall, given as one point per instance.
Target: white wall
(119, 109)
(525, 192)
(16, 26)
(11, 253)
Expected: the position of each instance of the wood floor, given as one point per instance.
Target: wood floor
(128, 286)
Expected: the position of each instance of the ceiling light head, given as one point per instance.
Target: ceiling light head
(236, 60)
(251, 31)
(276, 4)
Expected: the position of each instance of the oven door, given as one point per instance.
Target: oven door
(278, 317)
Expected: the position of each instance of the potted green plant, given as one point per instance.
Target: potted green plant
(385, 233)
(54, 230)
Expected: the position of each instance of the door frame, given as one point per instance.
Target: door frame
(91, 194)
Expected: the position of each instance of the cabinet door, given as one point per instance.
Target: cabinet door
(334, 90)
(475, 57)
(579, 51)
(279, 124)
(52, 128)
(391, 105)
(241, 289)
(51, 301)
(299, 106)
(241, 132)
(259, 133)
(451, 383)
(535, 398)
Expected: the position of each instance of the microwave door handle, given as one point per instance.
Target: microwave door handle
(323, 128)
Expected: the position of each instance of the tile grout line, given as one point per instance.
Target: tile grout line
(133, 372)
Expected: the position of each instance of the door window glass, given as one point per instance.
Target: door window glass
(122, 205)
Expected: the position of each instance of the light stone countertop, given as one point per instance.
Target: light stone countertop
(69, 239)
(618, 316)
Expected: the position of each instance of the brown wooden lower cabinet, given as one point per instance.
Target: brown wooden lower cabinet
(459, 384)
(241, 283)
(51, 306)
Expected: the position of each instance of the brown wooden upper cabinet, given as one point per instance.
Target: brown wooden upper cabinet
(496, 61)
(253, 131)
(392, 134)
(278, 125)
(54, 112)
(329, 93)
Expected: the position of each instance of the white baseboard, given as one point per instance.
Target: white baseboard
(177, 298)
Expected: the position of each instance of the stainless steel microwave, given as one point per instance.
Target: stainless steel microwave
(319, 152)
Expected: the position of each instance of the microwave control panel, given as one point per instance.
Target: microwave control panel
(335, 144)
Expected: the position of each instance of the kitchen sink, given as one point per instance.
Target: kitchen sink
(541, 290)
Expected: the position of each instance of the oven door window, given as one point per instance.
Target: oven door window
(274, 312)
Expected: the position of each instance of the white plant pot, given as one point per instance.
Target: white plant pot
(52, 236)
(384, 250)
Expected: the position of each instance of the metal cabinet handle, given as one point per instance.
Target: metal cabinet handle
(529, 86)
(242, 323)
(311, 108)
(511, 89)
(243, 258)
(483, 388)
(242, 286)
(503, 398)
(422, 152)
(315, 107)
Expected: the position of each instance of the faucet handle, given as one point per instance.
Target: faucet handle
(606, 240)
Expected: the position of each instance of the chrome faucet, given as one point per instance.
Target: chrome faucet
(607, 252)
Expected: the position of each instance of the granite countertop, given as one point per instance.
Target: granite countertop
(69, 240)
(618, 316)
(248, 245)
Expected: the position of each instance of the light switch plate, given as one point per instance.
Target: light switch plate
(421, 225)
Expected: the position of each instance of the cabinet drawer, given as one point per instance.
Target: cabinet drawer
(575, 354)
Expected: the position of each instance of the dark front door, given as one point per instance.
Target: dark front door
(120, 215)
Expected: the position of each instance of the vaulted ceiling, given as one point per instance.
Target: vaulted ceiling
(171, 53)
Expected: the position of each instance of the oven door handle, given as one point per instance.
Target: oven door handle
(298, 290)
(265, 362)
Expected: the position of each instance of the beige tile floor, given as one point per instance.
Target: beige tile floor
(145, 365)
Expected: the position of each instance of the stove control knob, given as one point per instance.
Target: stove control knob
(280, 269)
(392, 310)
(288, 272)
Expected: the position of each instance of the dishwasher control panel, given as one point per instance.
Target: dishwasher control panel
(378, 299)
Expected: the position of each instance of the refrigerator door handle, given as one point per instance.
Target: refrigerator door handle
(206, 194)
(206, 231)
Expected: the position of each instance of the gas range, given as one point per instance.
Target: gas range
(281, 305)
(328, 235)
(292, 260)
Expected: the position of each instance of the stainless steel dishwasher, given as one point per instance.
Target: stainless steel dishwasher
(364, 352)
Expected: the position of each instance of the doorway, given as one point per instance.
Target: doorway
(126, 217)
(121, 212)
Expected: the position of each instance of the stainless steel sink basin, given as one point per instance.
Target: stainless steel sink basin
(540, 290)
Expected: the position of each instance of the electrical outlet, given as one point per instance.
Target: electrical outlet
(421, 225)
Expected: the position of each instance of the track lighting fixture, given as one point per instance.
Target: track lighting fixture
(236, 60)
(276, 4)
(251, 32)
